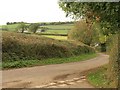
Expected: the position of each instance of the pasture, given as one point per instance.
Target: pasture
(51, 29)
(56, 37)
(59, 27)
(10, 27)
(56, 31)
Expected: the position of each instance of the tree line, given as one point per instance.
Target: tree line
(42, 23)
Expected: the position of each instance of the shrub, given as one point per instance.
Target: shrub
(17, 46)
(83, 33)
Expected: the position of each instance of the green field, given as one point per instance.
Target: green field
(52, 29)
(10, 27)
(56, 37)
(56, 31)
(61, 27)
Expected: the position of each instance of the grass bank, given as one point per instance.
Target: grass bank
(98, 77)
(30, 63)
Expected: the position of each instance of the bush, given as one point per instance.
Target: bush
(84, 33)
(17, 46)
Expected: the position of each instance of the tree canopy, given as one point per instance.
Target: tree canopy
(82, 33)
(22, 27)
(34, 27)
(107, 13)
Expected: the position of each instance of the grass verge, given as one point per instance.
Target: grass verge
(98, 77)
(30, 63)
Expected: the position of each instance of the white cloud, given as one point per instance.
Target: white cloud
(31, 11)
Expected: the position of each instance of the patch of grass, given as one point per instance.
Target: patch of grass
(56, 31)
(29, 63)
(98, 77)
(56, 37)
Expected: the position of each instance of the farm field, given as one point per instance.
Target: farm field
(56, 37)
(10, 27)
(61, 27)
(56, 31)
(51, 29)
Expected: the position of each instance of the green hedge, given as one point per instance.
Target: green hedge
(114, 63)
(17, 46)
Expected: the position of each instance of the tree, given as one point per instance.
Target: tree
(34, 27)
(107, 13)
(103, 12)
(7, 23)
(22, 27)
(82, 33)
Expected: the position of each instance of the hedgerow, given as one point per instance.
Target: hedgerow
(17, 46)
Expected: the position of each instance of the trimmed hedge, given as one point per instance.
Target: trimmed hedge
(114, 63)
(17, 46)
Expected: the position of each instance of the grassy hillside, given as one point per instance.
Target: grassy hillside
(17, 46)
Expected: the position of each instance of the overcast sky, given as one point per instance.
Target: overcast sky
(31, 11)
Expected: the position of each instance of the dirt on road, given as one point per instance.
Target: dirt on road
(68, 75)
